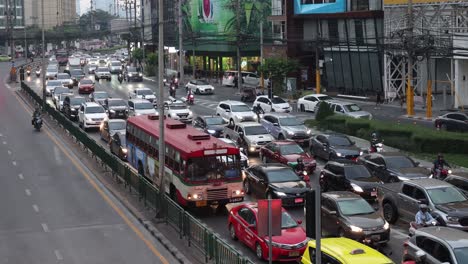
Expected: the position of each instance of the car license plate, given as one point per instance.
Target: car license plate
(373, 193)
(294, 254)
(201, 203)
(235, 200)
(298, 200)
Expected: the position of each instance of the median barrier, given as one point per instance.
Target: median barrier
(197, 234)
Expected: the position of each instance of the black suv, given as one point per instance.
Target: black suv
(277, 180)
(71, 104)
(213, 125)
(116, 108)
(334, 146)
(349, 176)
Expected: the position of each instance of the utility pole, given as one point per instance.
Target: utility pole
(142, 15)
(239, 74)
(181, 49)
(25, 49)
(317, 69)
(43, 59)
(262, 78)
(9, 28)
(161, 145)
(409, 89)
(135, 10)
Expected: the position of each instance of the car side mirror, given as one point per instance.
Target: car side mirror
(420, 255)
(353, 142)
(275, 124)
(417, 163)
(332, 212)
(422, 201)
(227, 110)
(269, 103)
(131, 108)
(299, 222)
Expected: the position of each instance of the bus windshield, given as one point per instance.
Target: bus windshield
(213, 168)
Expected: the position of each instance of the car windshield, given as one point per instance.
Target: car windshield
(54, 83)
(356, 172)
(290, 121)
(61, 90)
(144, 92)
(290, 149)
(399, 162)
(445, 195)
(94, 110)
(101, 95)
(177, 106)
(86, 81)
(116, 63)
(144, 106)
(51, 69)
(355, 207)
(202, 82)
(461, 254)
(240, 108)
(339, 141)
(63, 76)
(77, 72)
(255, 130)
(352, 108)
(120, 125)
(117, 103)
(278, 100)
(212, 121)
(287, 221)
(131, 69)
(102, 70)
(282, 175)
(123, 140)
(77, 101)
(324, 98)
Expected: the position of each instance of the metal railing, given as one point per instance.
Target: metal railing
(197, 235)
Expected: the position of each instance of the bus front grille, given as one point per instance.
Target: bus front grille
(217, 194)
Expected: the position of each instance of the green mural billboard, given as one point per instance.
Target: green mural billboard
(216, 25)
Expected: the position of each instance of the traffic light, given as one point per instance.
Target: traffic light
(310, 214)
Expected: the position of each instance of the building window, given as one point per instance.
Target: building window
(279, 29)
(359, 31)
(277, 7)
(333, 33)
(309, 2)
(359, 5)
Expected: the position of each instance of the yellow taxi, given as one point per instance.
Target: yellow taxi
(340, 250)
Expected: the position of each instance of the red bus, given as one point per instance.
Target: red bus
(200, 170)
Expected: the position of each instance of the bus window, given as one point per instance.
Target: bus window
(212, 168)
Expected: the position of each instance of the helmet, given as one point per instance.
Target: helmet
(299, 160)
(423, 207)
(440, 156)
(374, 135)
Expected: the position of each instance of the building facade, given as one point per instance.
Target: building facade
(16, 20)
(56, 13)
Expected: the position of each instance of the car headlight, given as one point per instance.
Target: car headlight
(309, 131)
(356, 188)
(355, 229)
(190, 113)
(339, 154)
(386, 225)
(255, 117)
(449, 171)
(290, 133)
(452, 219)
(253, 142)
(252, 149)
(211, 131)
(112, 111)
(138, 114)
(360, 153)
(71, 81)
(173, 114)
(124, 150)
(281, 194)
(240, 117)
(237, 192)
(130, 75)
(140, 74)
(195, 196)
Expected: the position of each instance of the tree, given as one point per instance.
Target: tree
(96, 17)
(276, 69)
(152, 64)
(137, 54)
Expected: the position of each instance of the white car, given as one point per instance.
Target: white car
(253, 80)
(235, 112)
(310, 102)
(92, 68)
(115, 67)
(59, 102)
(51, 72)
(200, 87)
(143, 93)
(138, 107)
(229, 77)
(349, 109)
(50, 86)
(59, 90)
(276, 104)
(65, 79)
(91, 115)
(244, 158)
(102, 73)
(178, 110)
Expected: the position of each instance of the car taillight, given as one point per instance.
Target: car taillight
(306, 178)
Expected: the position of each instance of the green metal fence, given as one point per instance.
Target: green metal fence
(197, 234)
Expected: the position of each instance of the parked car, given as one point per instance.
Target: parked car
(200, 87)
(286, 126)
(116, 108)
(354, 217)
(436, 245)
(393, 166)
(310, 102)
(132, 74)
(276, 180)
(86, 86)
(118, 145)
(76, 76)
(287, 152)
(349, 109)
(453, 121)
(243, 155)
(98, 97)
(109, 127)
(91, 115)
(71, 105)
(289, 246)
(138, 107)
(275, 104)
(460, 180)
(65, 79)
(213, 125)
(334, 146)
(102, 73)
(143, 93)
(235, 112)
(341, 250)
(250, 135)
(446, 203)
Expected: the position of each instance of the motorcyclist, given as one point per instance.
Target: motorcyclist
(423, 217)
(300, 166)
(258, 110)
(439, 165)
(37, 113)
(374, 141)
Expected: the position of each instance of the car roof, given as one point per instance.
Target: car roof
(327, 135)
(285, 142)
(116, 121)
(338, 195)
(274, 96)
(229, 102)
(63, 74)
(138, 100)
(429, 183)
(271, 166)
(344, 247)
(142, 88)
(343, 163)
(102, 92)
(228, 140)
(316, 95)
(277, 114)
(249, 124)
(91, 104)
(453, 237)
(391, 154)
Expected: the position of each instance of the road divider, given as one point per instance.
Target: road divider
(195, 233)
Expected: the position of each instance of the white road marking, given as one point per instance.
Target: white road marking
(4, 142)
(57, 155)
(45, 227)
(9, 152)
(28, 192)
(14, 163)
(58, 255)
(21, 176)
(36, 208)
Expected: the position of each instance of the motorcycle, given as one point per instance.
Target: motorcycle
(190, 99)
(38, 73)
(37, 122)
(376, 147)
(28, 72)
(413, 226)
(440, 173)
(304, 175)
(172, 90)
(120, 77)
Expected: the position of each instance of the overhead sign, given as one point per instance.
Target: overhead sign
(275, 215)
(337, 6)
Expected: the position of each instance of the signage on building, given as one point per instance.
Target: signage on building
(405, 2)
(306, 7)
